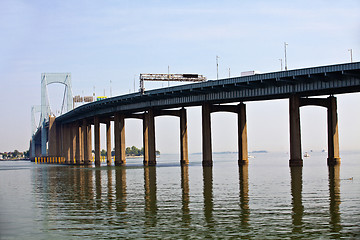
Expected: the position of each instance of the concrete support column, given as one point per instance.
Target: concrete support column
(151, 138)
(333, 133)
(146, 139)
(78, 156)
(66, 142)
(119, 130)
(52, 138)
(242, 135)
(44, 140)
(86, 133)
(97, 140)
(184, 160)
(72, 133)
(58, 141)
(108, 142)
(295, 134)
(206, 135)
(62, 141)
(89, 142)
(32, 147)
(37, 150)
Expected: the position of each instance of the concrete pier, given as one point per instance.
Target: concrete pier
(242, 135)
(240, 110)
(184, 153)
(333, 133)
(151, 137)
(108, 142)
(97, 140)
(79, 156)
(72, 128)
(86, 133)
(146, 139)
(66, 141)
(52, 144)
(181, 113)
(295, 132)
(119, 132)
(206, 135)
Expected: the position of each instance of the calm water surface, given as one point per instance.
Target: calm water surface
(267, 199)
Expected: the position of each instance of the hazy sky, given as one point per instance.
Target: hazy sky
(103, 41)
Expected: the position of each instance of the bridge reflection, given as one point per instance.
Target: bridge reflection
(334, 192)
(244, 196)
(89, 193)
(150, 196)
(297, 205)
(298, 209)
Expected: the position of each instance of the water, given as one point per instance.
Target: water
(267, 199)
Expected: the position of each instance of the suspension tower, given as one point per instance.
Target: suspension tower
(46, 79)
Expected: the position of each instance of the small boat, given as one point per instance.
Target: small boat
(306, 154)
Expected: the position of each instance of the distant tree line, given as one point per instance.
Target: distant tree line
(129, 151)
(14, 155)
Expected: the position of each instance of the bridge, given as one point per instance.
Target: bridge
(69, 135)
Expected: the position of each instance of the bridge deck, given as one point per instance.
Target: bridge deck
(324, 80)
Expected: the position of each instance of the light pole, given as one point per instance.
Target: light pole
(217, 67)
(110, 89)
(281, 66)
(351, 59)
(168, 76)
(285, 44)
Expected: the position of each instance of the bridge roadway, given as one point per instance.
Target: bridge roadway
(326, 80)
(296, 85)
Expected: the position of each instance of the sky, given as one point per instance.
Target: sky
(107, 44)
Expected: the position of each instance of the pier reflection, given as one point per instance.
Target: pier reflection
(98, 190)
(208, 196)
(297, 205)
(110, 195)
(334, 192)
(244, 196)
(120, 178)
(150, 196)
(185, 195)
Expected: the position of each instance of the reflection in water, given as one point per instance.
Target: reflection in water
(110, 195)
(69, 202)
(297, 205)
(150, 196)
(98, 200)
(185, 195)
(208, 196)
(87, 189)
(334, 191)
(120, 174)
(244, 195)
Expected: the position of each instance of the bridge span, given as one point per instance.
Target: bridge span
(69, 135)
